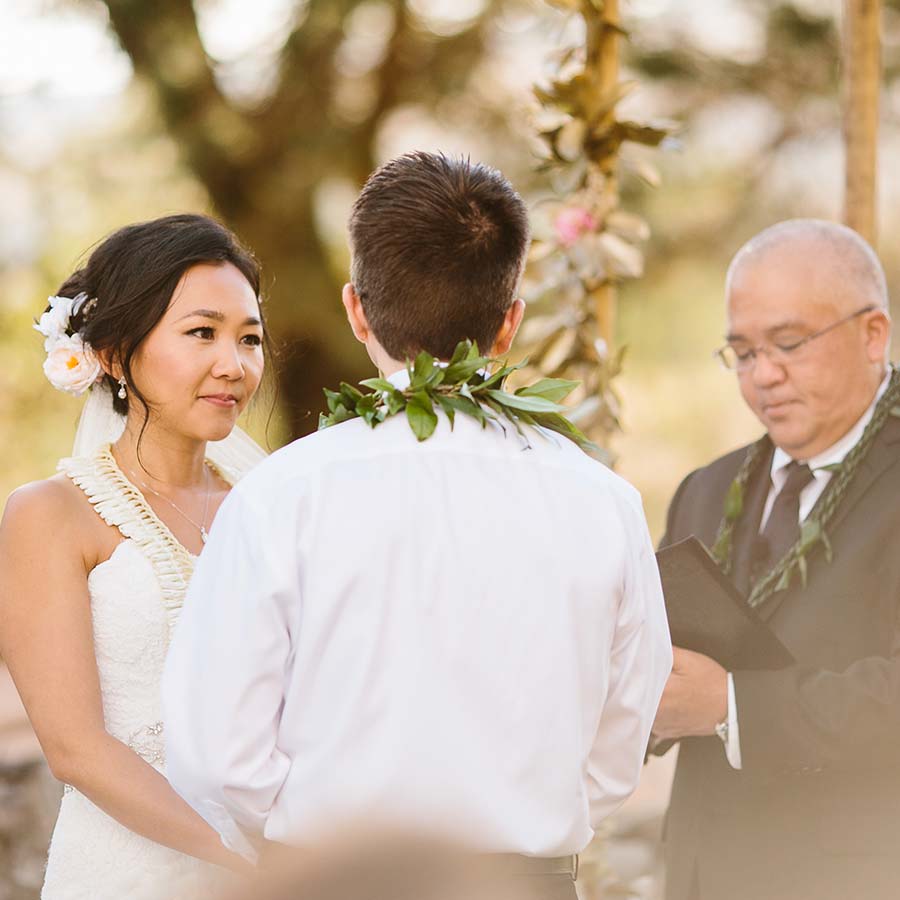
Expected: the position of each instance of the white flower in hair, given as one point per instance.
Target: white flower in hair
(54, 323)
(71, 365)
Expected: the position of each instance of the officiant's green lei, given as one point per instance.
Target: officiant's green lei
(470, 384)
(813, 530)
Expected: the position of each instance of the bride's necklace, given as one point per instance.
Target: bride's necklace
(201, 526)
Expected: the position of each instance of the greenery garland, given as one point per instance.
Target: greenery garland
(813, 530)
(465, 385)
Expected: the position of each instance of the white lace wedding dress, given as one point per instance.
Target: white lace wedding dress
(136, 596)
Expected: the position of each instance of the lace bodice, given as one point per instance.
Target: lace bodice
(136, 596)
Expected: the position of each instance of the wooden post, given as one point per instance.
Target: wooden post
(603, 62)
(862, 72)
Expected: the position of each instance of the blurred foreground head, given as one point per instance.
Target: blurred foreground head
(438, 248)
(393, 867)
(808, 331)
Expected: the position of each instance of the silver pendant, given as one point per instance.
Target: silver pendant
(203, 534)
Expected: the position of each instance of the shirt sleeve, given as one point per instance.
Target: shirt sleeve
(733, 744)
(640, 663)
(222, 689)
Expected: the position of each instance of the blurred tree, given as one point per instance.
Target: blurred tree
(862, 64)
(263, 162)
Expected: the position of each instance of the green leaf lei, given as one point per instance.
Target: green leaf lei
(465, 385)
(813, 530)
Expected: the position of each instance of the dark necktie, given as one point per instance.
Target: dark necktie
(783, 526)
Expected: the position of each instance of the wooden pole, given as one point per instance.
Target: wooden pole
(862, 72)
(603, 62)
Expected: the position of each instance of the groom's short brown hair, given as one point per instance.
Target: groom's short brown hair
(438, 249)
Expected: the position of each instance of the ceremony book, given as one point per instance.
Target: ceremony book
(707, 613)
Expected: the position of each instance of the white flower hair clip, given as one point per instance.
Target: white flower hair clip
(71, 365)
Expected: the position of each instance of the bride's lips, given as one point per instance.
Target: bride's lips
(224, 401)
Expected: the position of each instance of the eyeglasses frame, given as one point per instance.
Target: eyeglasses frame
(753, 352)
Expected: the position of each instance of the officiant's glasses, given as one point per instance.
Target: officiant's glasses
(741, 358)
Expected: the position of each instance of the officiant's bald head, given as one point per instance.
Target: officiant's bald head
(841, 264)
(808, 330)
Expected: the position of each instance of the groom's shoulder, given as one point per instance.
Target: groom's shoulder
(319, 450)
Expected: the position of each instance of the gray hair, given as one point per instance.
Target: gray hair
(848, 251)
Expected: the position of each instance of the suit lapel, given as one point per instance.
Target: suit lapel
(883, 454)
(747, 528)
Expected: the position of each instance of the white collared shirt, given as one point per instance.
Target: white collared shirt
(462, 636)
(808, 497)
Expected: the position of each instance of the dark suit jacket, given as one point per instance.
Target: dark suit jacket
(815, 811)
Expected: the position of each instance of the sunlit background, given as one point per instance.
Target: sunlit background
(304, 98)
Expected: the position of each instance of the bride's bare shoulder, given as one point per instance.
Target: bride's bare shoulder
(53, 508)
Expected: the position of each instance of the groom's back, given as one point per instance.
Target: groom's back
(464, 635)
(459, 602)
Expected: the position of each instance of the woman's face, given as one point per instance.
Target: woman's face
(203, 361)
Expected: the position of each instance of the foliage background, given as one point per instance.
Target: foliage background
(270, 115)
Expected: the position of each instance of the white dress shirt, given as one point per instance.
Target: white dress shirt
(463, 636)
(808, 497)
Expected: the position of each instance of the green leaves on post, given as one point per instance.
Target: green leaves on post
(464, 385)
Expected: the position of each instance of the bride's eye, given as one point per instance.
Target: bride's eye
(253, 340)
(204, 331)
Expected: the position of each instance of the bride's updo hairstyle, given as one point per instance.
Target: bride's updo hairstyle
(133, 274)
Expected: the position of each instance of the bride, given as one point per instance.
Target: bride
(163, 325)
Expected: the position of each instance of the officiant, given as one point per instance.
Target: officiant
(787, 784)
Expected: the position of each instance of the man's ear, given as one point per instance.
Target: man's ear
(511, 322)
(355, 315)
(878, 335)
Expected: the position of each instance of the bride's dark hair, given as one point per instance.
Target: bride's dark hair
(133, 274)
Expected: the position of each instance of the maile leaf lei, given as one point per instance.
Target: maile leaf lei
(470, 384)
(813, 531)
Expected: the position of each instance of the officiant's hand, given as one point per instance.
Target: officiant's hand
(695, 698)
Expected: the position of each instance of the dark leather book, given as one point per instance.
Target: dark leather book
(709, 615)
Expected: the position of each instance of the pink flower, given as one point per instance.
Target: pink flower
(71, 365)
(571, 223)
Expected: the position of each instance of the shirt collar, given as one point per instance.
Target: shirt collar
(400, 379)
(838, 450)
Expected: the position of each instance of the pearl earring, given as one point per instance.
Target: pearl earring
(121, 393)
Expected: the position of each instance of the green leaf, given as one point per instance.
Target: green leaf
(499, 376)
(895, 411)
(332, 398)
(350, 394)
(378, 384)
(463, 348)
(833, 467)
(426, 372)
(396, 401)
(561, 425)
(448, 408)
(529, 404)
(554, 389)
(804, 568)
(784, 582)
(829, 550)
(421, 416)
(734, 501)
(463, 371)
(810, 534)
(464, 405)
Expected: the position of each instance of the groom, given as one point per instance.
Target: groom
(462, 637)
